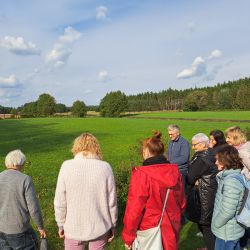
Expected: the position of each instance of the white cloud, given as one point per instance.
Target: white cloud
(103, 76)
(58, 55)
(70, 35)
(61, 51)
(215, 54)
(101, 12)
(18, 46)
(197, 68)
(9, 82)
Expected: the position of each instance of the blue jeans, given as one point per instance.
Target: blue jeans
(23, 241)
(227, 245)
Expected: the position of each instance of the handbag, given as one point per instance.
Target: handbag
(150, 239)
(193, 208)
(44, 244)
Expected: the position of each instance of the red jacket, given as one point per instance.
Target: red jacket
(146, 196)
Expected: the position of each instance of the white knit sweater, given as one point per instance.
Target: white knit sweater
(85, 199)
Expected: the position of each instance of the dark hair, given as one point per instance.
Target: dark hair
(229, 157)
(219, 137)
(154, 144)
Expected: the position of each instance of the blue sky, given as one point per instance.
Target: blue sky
(82, 49)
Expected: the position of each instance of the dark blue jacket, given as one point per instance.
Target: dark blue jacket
(178, 153)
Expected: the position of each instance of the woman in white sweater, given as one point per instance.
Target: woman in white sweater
(85, 199)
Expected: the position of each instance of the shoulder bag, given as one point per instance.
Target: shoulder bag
(150, 239)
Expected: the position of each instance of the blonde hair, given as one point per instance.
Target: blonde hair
(87, 144)
(237, 135)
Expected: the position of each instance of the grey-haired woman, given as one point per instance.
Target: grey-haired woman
(18, 203)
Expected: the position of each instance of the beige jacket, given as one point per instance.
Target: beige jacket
(244, 152)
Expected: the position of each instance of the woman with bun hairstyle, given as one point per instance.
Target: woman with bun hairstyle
(147, 192)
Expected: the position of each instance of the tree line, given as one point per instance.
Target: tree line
(226, 96)
(230, 95)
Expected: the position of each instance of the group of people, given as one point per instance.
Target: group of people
(85, 201)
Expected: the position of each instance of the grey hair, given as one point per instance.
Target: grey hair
(15, 158)
(200, 137)
(174, 127)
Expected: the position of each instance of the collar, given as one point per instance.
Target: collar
(159, 159)
(80, 155)
(225, 172)
(177, 139)
(13, 169)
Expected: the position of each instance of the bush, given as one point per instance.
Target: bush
(122, 177)
(113, 104)
(79, 109)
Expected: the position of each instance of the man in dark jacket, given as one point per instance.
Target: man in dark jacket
(178, 151)
(202, 174)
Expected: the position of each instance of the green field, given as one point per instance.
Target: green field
(47, 143)
(227, 115)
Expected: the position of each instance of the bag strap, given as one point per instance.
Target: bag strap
(164, 206)
(240, 178)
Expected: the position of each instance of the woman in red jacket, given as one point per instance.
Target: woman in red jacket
(147, 192)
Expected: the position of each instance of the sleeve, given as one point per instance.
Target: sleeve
(182, 197)
(136, 202)
(32, 203)
(184, 154)
(196, 170)
(60, 203)
(112, 199)
(232, 191)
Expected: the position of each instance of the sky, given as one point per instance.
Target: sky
(83, 49)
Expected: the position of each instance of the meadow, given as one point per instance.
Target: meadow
(218, 115)
(47, 143)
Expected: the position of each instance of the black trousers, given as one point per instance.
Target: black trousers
(208, 236)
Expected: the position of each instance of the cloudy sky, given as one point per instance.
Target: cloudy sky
(82, 49)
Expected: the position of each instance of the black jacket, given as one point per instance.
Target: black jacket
(202, 168)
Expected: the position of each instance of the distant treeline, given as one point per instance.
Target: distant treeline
(226, 96)
(230, 95)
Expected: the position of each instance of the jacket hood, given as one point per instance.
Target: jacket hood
(166, 175)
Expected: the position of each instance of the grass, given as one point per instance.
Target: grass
(47, 142)
(228, 115)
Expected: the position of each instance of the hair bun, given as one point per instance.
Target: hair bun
(157, 134)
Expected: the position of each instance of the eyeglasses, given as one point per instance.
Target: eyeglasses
(193, 145)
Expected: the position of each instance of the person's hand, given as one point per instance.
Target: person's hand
(112, 235)
(128, 247)
(42, 233)
(61, 233)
